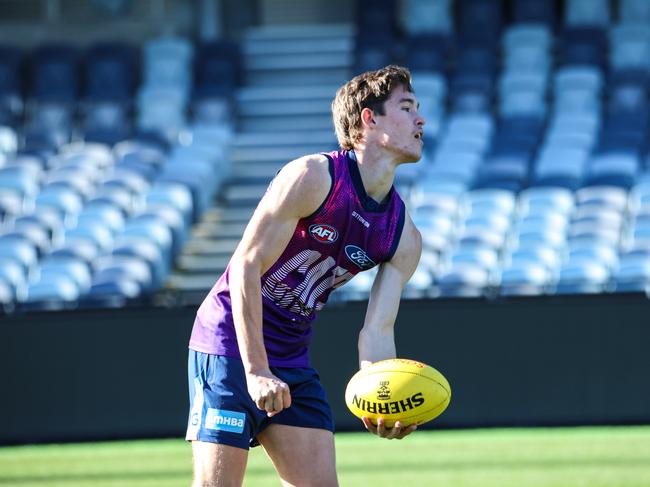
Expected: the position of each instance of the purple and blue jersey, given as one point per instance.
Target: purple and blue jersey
(347, 234)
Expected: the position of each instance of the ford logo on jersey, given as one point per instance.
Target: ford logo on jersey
(359, 257)
(324, 233)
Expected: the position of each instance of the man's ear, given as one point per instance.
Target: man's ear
(367, 117)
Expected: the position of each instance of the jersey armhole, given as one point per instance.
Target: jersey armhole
(329, 193)
(398, 231)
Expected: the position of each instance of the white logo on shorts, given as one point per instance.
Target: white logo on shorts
(224, 420)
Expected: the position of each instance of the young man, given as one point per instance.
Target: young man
(324, 218)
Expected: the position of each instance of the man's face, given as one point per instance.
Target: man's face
(399, 130)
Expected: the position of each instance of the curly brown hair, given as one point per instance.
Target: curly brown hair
(367, 90)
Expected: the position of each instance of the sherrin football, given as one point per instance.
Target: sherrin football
(398, 390)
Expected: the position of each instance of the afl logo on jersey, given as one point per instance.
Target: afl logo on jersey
(324, 233)
(359, 257)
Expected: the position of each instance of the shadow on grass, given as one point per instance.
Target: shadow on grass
(133, 476)
(514, 465)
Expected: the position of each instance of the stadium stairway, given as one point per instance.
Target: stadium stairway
(283, 112)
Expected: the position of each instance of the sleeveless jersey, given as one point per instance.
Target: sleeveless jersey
(349, 233)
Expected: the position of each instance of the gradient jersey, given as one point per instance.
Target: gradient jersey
(349, 233)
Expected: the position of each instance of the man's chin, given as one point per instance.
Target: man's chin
(412, 158)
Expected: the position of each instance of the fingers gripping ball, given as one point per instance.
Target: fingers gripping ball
(398, 390)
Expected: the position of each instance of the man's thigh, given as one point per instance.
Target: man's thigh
(303, 457)
(218, 465)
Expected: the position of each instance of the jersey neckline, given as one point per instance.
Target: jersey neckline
(367, 202)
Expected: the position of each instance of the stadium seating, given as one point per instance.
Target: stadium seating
(133, 169)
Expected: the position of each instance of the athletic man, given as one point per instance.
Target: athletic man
(324, 218)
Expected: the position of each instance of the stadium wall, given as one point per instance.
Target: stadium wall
(106, 374)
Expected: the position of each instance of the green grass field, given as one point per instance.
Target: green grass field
(575, 457)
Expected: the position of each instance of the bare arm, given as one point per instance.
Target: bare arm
(377, 337)
(297, 191)
(377, 340)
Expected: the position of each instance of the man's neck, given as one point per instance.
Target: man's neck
(377, 173)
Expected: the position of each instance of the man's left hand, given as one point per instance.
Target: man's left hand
(397, 432)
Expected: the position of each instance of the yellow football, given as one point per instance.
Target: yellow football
(398, 390)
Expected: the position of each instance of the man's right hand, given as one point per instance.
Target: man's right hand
(268, 392)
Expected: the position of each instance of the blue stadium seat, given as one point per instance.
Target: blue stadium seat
(593, 252)
(612, 197)
(172, 217)
(613, 169)
(634, 11)
(524, 278)
(79, 248)
(139, 156)
(109, 69)
(632, 274)
(147, 251)
(74, 268)
(583, 45)
(434, 240)
(11, 64)
(32, 231)
(51, 291)
(427, 17)
(504, 172)
(176, 195)
(155, 229)
(630, 46)
(582, 277)
(91, 229)
(67, 202)
(106, 122)
(12, 274)
(543, 255)
(217, 69)
(534, 11)
(542, 199)
(426, 53)
(116, 268)
(21, 250)
(485, 257)
(55, 73)
(550, 221)
(118, 198)
(6, 295)
(109, 216)
(464, 280)
(480, 22)
(115, 292)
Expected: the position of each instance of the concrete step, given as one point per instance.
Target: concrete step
(232, 230)
(285, 108)
(210, 246)
(323, 138)
(306, 76)
(279, 123)
(290, 61)
(214, 264)
(260, 172)
(301, 31)
(193, 281)
(274, 93)
(244, 155)
(298, 45)
(244, 194)
(226, 215)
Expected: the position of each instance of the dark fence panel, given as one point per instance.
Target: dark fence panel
(122, 373)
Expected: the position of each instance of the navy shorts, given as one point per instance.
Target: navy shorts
(222, 411)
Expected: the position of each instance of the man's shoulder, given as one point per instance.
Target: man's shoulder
(306, 170)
